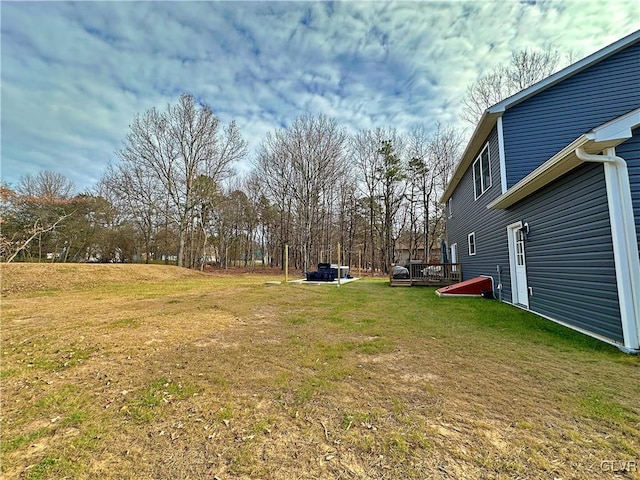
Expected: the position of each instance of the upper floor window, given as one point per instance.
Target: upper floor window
(450, 207)
(482, 172)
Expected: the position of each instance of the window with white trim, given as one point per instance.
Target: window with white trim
(450, 207)
(482, 172)
(472, 243)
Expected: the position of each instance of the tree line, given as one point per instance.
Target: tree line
(171, 194)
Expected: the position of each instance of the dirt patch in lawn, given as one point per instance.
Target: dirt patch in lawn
(157, 372)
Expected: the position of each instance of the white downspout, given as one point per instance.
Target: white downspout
(625, 243)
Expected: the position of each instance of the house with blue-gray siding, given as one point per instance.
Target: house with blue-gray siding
(546, 197)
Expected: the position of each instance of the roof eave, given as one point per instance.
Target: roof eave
(478, 139)
(610, 134)
(561, 163)
(566, 72)
(490, 116)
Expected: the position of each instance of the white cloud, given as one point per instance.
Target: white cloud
(75, 74)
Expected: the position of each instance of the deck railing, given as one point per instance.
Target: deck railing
(423, 273)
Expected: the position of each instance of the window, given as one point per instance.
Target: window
(450, 207)
(520, 248)
(454, 257)
(472, 243)
(482, 172)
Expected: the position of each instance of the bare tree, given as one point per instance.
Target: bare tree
(175, 148)
(529, 66)
(444, 151)
(377, 156)
(274, 169)
(33, 213)
(421, 179)
(252, 186)
(364, 154)
(46, 184)
(138, 195)
(526, 67)
(301, 164)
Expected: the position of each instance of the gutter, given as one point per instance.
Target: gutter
(561, 163)
(625, 244)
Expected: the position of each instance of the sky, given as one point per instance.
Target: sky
(74, 75)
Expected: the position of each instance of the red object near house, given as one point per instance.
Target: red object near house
(472, 287)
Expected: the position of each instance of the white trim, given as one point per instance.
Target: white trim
(513, 261)
(490, 116)
(503, 160)
(470, 295)
(561, 163)
(624, 239)
(478, 139)
(565, 73)
(473, 174)
(589, 333)
(620, 257)
(454, 248)
(475, 246)
(450, 207)
(618, 128)
(609, 134)
(473, 169)
(454, 258)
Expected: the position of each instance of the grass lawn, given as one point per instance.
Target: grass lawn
(134, 372)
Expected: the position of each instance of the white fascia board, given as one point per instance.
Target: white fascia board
(562, 162)
(475, 144)
(565, 73)
(619, 128)
(607, 135)
(490, 116)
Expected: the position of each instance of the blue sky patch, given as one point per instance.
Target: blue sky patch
(75, 74)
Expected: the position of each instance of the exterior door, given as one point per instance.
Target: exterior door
(517, 259)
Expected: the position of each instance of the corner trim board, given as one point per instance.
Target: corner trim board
(503, 161)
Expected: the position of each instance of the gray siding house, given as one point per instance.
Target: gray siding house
(546, 198)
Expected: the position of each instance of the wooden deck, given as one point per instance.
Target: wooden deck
(429, 275)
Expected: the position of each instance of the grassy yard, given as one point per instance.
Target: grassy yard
(133, 372)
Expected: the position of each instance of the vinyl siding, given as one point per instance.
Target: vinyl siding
(630, 151)
(471, 215)
(569, 252)
(539, 127)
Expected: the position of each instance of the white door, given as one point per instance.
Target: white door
(519, 287)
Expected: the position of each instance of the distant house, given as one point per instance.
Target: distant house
(402, 254)
(546, 198)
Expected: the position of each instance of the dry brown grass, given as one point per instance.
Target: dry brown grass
(131, 371)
